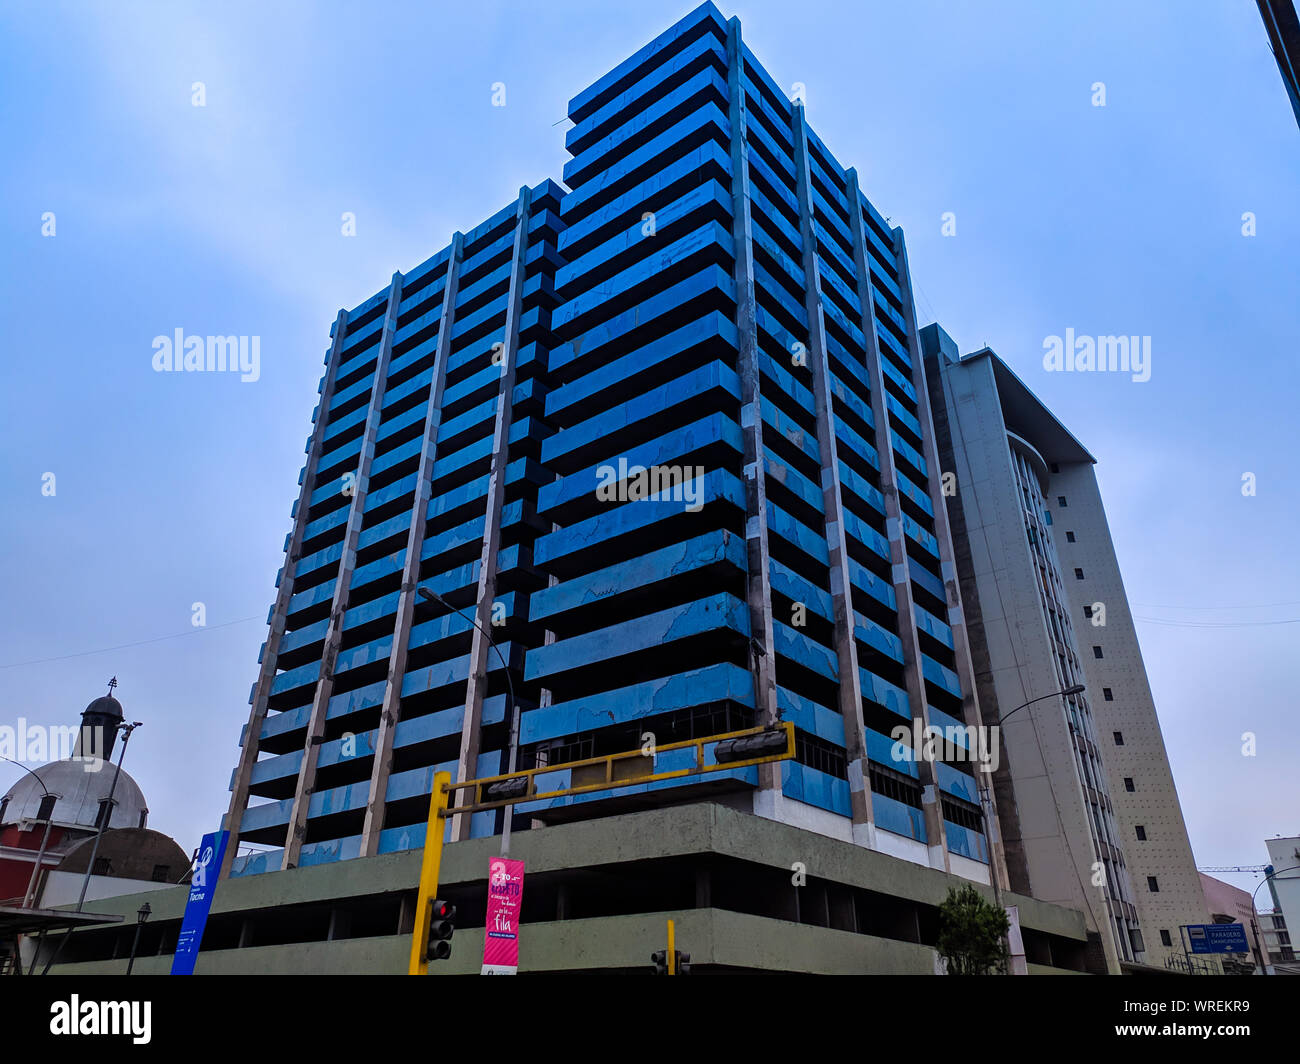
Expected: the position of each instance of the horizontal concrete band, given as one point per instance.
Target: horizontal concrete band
(715, 936)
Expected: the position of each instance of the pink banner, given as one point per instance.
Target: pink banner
(505, 895)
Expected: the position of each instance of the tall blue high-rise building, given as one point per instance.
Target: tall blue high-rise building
(663, 433)
(421, 471)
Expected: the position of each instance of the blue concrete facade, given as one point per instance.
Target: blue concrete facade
(667, 359)
(364, 692)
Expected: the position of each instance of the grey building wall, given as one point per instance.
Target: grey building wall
(1167, 887)
(1068, 821)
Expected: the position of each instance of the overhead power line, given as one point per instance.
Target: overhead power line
(1245, 606)
(1169, 623)
(128, 646)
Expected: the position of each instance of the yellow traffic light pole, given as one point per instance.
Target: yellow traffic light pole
(443, 787)
(429, 870)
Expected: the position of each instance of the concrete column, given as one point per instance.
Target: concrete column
(703, 888)
(340, 925)
(846, 647)
(761, 661)
(280, 611)
(480, 648)
(407, 600)
(935, 840)
(342, 586)
(943, 533)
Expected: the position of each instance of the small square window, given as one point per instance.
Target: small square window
(1165, 938)
(1128, 784)
(1055, 468)
(1060, 501)
(1078, 574)
(161, 872)
(1119, 738)
(103, 866)
(47, 807)
(1141, 833)
(1107, 694)
(1069, 537)
(1096, 652)
(1152, 885)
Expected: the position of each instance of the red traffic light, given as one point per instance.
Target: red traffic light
(442, 924)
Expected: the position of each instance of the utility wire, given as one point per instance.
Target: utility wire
(1256, 606)
(1214, 624)
(127, 646)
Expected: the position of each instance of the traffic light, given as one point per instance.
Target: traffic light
(442, 924)
(660, 960)
(516, 787)
(683, 965)
(772, 741)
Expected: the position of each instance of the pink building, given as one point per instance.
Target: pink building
(1229, 904)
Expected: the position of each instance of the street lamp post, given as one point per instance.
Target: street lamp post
(29, 898)
(1075, 689)
(986, 798)
(141, 915)
(1269, 875)
(126, 730)
(508, 813)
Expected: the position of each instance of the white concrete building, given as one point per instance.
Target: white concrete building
(1089, 812)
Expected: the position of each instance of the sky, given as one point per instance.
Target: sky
(1029, 209)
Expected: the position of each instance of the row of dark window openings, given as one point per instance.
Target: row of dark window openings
(890, 784)
(46, 810)
(1130, 786)
(104, 867)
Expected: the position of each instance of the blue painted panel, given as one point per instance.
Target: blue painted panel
(719, 485)
(714, 683)
(966, 843)
(809, 716)
(721, 611)
(815, 788)
(894, 816)
(643, 571)
(882, 750)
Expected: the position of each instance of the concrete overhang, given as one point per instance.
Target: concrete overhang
(675, 831)
(1026, 417)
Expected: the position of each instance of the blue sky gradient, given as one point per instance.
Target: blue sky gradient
(174, 489)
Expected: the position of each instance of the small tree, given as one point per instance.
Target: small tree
(972, 933)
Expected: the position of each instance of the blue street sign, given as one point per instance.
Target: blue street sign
(203, 885)
(1217, 938)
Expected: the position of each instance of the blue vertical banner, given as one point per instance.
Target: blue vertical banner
(203, 885)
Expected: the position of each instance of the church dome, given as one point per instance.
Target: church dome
(79, 792)
(105, 706)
